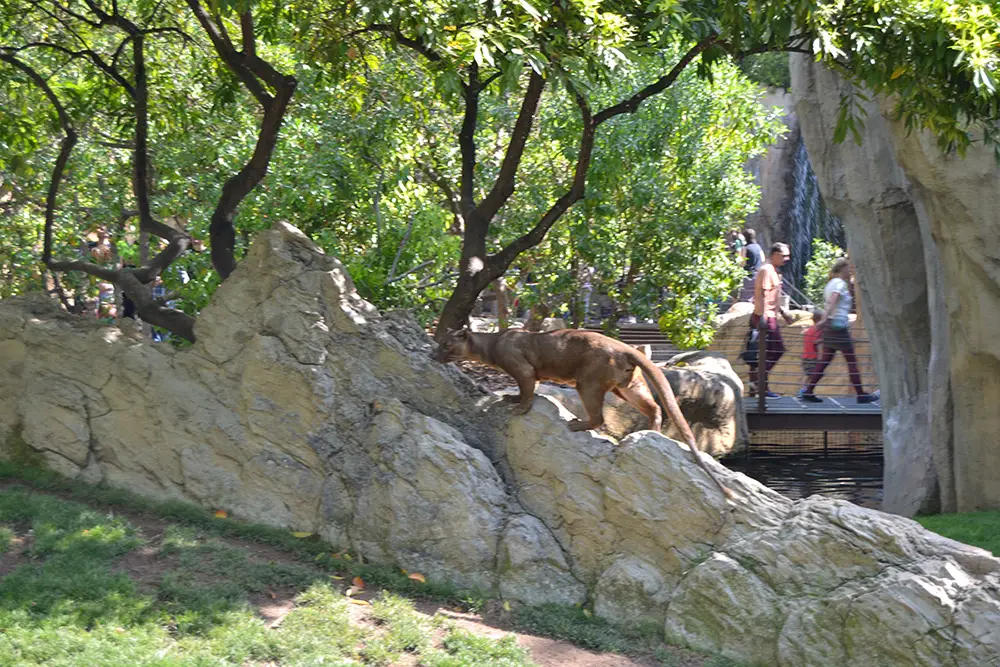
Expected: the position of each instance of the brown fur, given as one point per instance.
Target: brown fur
(593, 363)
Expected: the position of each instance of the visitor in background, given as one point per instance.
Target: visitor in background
(753, 260)
(737, 243)
(811, 344)
(837, 334)
(766, 308)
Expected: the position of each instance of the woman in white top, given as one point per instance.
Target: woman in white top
(837, 334)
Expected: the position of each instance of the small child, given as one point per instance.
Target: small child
(810, 344)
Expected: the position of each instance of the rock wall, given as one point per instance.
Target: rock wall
(866, 188)
(791, 208)
(301, 406)
(923, 229)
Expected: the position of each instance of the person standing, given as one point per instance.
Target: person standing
(754, 259)
(837, 334)
(766, 308)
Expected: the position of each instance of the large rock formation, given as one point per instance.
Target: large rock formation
(923, 230)
(302, 406)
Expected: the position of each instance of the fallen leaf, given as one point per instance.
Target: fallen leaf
(350, 591)
(506, 605)
(335, 576)
(272, 595)
(346, 556)
(300, 534)
(221, 514)
(588, 613)
(360, 602)
(403, 571)
(416, 576)
(358, 583)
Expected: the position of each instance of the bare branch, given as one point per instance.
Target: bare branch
(85, 53)
(454, 202)
(408, 272)
(402, 244)
(152, 310)
(251, 71)
(249, 41)
(229, 55)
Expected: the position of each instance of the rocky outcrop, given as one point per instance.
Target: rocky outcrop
(922, 228)
(868, 191)
(708, 390)
(302, 406)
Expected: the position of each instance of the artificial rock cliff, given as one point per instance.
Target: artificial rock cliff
(923, 230)
(302, 406)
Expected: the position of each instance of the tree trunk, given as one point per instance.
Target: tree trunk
(458, 307)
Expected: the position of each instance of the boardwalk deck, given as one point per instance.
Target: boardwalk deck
(835, 413)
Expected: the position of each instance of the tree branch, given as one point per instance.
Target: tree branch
(85, 53)
(454, 202)
(402, 244)
(233, 59)
(504, 185)
(498, 263)
(631, 104)
(408, 272)
(467, 140)
(251, 71)
(416, 45)
(247, 34)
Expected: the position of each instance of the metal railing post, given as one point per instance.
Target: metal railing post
(762, 365)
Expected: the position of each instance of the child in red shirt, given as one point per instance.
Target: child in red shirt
(810, 345)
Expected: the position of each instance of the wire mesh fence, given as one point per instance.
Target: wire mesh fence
(846, 465)
(788, 371)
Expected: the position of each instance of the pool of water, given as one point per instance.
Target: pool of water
(854, 478)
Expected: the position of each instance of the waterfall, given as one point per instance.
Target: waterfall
(807, 216)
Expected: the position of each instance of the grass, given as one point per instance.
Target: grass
(69, 605)
(981, 529)
(579, 627)
(71, 602)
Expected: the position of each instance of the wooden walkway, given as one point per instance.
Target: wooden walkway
(788, 413)
(835, 413)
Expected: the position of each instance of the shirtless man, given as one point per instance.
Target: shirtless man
(767, 305)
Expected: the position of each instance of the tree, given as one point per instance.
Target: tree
(71, 55)
(897, 47)
(666, 183)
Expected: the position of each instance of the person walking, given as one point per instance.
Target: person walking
(837, 334)
(766, 308)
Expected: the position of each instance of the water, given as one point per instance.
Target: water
(807, 218)
(854, 478)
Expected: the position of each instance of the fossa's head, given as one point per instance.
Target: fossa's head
(456, 345)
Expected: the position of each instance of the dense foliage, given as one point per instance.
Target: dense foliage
(818, 269)
(431, 145)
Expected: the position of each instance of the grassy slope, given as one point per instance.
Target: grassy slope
(70, 603)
